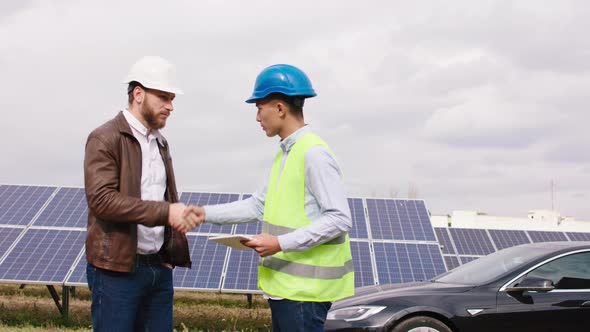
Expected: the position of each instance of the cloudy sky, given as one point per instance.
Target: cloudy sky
(472, 105)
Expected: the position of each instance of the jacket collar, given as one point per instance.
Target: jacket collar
(122, 124)
(124, 128)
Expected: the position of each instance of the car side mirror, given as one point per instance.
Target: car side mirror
(532, 284)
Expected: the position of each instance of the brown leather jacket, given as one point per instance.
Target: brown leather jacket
(112, 177)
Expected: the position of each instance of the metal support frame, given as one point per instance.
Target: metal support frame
(249, 296)
(64, 306)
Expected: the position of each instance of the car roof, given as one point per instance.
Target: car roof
(560, 245)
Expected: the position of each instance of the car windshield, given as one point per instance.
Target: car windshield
(488, 268)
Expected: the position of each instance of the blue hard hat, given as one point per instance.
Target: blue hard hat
(286, 79)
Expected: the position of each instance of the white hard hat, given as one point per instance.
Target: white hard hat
(154, 72)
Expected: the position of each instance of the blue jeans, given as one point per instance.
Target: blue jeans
(135, 301)
(297, 316)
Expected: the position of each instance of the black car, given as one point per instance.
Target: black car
(531, 287)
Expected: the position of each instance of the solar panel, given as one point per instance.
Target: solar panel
(542, 236)
(19, 204)
(363, 268)
(508, 238)
(407, 262)
(359, 223)
(67, 209)
(451, 261)
(242, 271)
(444, 239)
(42, 255)
(399, 220)
(467, 259)
(251, 228)
(7, 237)
(208, 259)
(574, 236)
(209, 199)
(471, 241)
(78, 276)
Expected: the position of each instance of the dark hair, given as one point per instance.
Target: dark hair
(295, 103)
(132, 85)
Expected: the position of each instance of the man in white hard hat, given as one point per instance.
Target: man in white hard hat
(132, 202)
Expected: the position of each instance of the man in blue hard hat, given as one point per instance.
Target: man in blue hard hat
(306, 261)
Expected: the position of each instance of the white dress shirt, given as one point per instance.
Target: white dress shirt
(153, 182)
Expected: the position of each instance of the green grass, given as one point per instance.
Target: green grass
(33, 309)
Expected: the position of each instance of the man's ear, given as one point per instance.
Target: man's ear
(282, 109)
(138, 94)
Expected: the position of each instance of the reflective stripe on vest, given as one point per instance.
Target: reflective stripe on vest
(280, 230)
(308, 271)
(322, 273)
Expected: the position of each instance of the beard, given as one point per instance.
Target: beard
(151, 117)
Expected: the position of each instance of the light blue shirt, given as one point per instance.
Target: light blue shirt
(326, 205)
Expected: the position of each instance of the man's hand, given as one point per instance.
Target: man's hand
(184, 218)
(194, 216)
(176, 219)
(264, 244)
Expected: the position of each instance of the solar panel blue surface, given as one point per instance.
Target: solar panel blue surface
(471, 241)
(406, 262)
(67, 209)
(251, 228)
(452, 262)
(359, 223)
(242, 271)
(78, 276)
(7, 237)
(43, 255)
(575, 236)
(363, 268)
(208, 258)
(19, 204)
(399, 220)
(209, 199)
(467, 259)
(508, 238)
(542, 236)
(444, 239)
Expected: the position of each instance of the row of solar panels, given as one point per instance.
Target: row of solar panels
(56, 256)
(462, 245)
(43, 231)
(388, 219)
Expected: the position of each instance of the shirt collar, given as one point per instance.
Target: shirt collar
(290, 140)
(135, 124)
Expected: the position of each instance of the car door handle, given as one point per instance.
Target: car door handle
(585, 304)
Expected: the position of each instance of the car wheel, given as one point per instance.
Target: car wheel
(421, 324)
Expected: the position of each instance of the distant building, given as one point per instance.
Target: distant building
(542, 220)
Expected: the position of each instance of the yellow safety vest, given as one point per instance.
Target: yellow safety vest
(323, 273)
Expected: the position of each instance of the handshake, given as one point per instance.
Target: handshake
(184, 218)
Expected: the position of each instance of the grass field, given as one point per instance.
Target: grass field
(33, 309)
